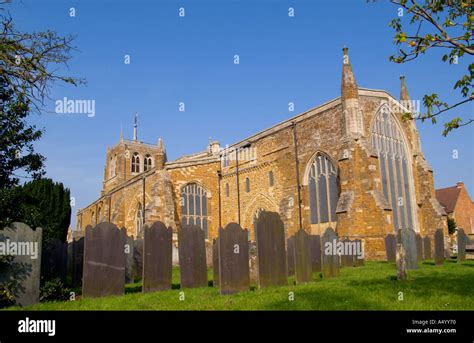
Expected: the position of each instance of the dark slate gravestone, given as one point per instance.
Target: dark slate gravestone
(408, 239)
(233, 251)
(157, 258)
(24, 245)
(315, 253)
(129, 259)
(439, 247)
(192, 257)
(391, 247)
(303, 261)
(419, 247)
(137, 270)
(358, 253)
(290, 253)
(401, 260)
(75, 259)
(271, 254)
(54, 260)
(215, 264)
(462, 242)
(347, 257)
(104, 261)
(331, 261)
(427, 255)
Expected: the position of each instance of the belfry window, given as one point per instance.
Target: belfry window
(113, 166)
(323, 190)
(394, 168)
(136, 163)
(147, 163)
(194, 206)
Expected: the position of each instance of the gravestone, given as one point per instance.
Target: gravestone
(192, 257)
(347, 259)
(408, 239)
(303, 259)
(419, 247)
(129, 256)
(427, 255)
(233, 251)
(462, 242)
(209, 252)
(359, 258)
(54, 260)
(215, 264)
(401, 260)
(75, 264)
(271, 254)
(23, 244)
(290, 253)
(330, 257)
(315, 253)
(157, 258)
(439, 247)
(104, 261)
(391, 247)
(137, 270)
(253, 265)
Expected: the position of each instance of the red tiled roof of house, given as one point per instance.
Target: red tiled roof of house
(447, 197)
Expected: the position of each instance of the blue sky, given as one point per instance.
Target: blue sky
(190, 59)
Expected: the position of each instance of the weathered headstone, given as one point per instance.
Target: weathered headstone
(290, 254)
(23, 273)
(315, 253)
(215, 264)
(104, 261)
(330, 257)
(427, 254)
(54, 260)
(462, 242)
(209, 259)
(391, 247)
(439, 247)
(419, 247)
(137, 270)
(75, 253)
(347, 258)
(157, 258)
(233, 250)
(359, 254)
(129, 256)
(303, 260)
(408, 239)
(253, 265)
(401, 257)
(271, 254)
(192, 257)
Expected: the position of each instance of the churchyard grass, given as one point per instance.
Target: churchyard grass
(372, 287)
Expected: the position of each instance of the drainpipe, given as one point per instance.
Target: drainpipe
(238, 186)
(219, 176)
(295, 143)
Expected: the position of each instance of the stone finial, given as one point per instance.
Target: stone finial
(121, 133)
(160, 144)
(404, 97)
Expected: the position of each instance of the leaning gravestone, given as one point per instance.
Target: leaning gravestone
(157, 258)
(359, 253)
(315, 253)
(419, 247)
(271, 255)
(192, 257)
(290, 254)
(129, 256)
(24, 245)
(347, 258)
(427, 255)
(408, 239)
(391, 247)
(54, 260)
(233, 251)
(331, 264)
(104, 261)
(401, 260)
(439, 247)
(462, 242)
(303, 263)
(215, 264)
(137, 270)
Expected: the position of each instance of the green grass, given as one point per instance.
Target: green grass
(372, 287)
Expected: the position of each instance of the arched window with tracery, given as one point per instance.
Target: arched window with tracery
(113, 166)
(136, 163)
(194, 206)
(392, 151)
(139, 220)
(147, 163)
(323, 189)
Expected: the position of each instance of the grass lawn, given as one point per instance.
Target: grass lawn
(372, 287)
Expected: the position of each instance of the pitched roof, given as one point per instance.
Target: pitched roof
(448, 197)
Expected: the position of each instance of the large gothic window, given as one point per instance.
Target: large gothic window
(136, 163)
(194, 206)
(387, 141)
(323, 190)
(139, 220)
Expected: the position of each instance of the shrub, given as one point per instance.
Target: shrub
(54, 290)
